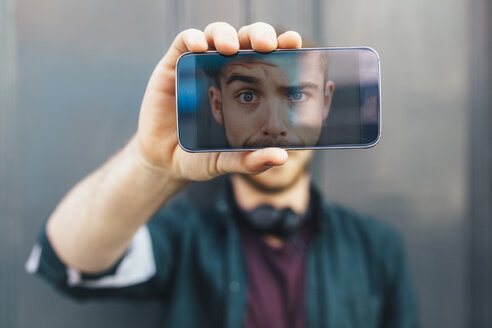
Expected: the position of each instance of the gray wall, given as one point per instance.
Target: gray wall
(417, 176)
(79, 70)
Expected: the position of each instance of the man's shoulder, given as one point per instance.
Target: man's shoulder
(350, 218)
(357, 229)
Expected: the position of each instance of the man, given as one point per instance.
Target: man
(267, 253)
(275, 101)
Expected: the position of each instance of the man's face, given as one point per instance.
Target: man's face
(279, 102)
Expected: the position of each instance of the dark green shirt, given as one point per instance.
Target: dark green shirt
(356, 276)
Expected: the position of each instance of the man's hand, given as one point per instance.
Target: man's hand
(156, 140)
(93, 225)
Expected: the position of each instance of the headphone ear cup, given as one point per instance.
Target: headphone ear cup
(291, 220)
(263, 217)
(279, 223)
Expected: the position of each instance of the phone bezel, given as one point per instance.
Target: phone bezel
(356, 146)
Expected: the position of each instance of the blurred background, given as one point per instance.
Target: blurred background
(72, 75)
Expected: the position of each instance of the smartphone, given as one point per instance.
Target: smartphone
(311, 98)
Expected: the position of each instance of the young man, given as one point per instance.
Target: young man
(268, 252)
(277, 101)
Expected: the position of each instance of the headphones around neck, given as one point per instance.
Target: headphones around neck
(281, 223)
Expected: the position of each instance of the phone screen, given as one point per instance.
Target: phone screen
(306, 98)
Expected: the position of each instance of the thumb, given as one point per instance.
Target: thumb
(251, 162)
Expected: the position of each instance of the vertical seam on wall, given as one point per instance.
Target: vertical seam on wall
(479, 244)
(10, 222)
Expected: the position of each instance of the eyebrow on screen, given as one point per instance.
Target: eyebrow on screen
(299, 87)
(243, 78)
(283, 89)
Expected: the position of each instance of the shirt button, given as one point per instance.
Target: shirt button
(234, 286)
(222, 206)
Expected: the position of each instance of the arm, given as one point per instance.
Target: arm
(94, 224)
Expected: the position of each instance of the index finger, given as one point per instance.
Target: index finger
(222, 37)
(188, 40)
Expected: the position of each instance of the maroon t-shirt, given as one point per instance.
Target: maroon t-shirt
(276, 288)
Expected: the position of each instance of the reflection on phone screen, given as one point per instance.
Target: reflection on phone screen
(291, 99)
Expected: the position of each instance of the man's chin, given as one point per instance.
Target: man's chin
(275, 180)
(267, 184)
(281, 178)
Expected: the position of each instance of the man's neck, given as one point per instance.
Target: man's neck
(296, 196)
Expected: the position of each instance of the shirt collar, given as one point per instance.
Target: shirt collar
(224, 205)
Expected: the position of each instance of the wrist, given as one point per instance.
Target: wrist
(142, 175)
(137, 160)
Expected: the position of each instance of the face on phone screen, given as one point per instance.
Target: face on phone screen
(291, 99)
